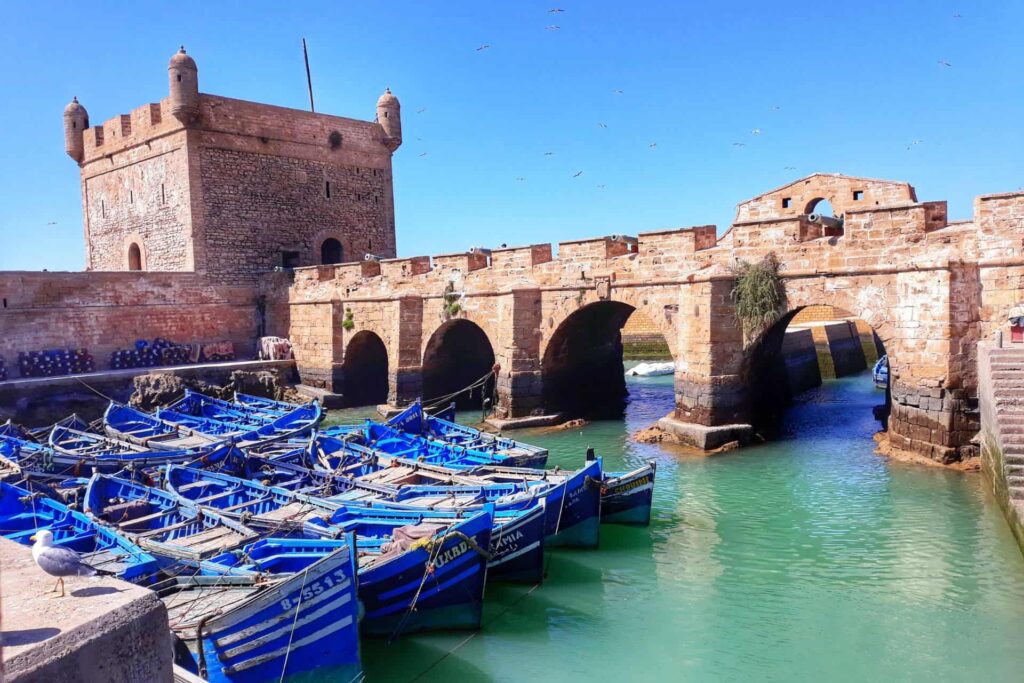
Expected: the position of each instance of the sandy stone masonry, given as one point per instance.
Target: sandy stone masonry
(929, 288)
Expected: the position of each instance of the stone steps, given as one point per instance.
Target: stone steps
(1007, 367)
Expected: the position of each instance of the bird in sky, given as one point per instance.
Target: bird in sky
(552, 28)
(776, 107)
(577, 174)
(943, 62)
(789, 168)
(59, 562)
(420, 111)
(739, 144)
(956, 15)
(914, 143)
(653, 145)
(756, 131)
(547, 154)
(52, 223)
(600, 187)
(555, 11)
(520, 178)
(618, 92)
(483, 47)
(602, 125)
(423, 154)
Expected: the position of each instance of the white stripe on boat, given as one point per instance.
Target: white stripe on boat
(301, 642)
(514, 555)
(284, 628)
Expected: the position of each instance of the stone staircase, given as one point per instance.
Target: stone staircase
(1007, 377)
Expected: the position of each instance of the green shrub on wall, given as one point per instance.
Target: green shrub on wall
(758, 295)
(348, 323)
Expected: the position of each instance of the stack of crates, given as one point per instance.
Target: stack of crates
(3, 369)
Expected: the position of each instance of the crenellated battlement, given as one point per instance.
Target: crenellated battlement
(125, 131)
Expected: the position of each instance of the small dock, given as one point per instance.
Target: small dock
(103, 629)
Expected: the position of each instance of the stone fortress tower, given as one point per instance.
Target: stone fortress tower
(232, 188)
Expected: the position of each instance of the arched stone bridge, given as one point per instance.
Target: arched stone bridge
(930, 288)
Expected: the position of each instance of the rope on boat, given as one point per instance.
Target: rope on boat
(291, 634)
(92, 389)
(441, 400)
(435, 549)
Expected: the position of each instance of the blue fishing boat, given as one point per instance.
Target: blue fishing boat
(198, 404)
(295, 611)
(172, 430)
(880, 373)
(261, 404)
(442, 427)
(626, 496)
(429, 574)
(24, 512)
(81, 454)
(173, 529)
(572, 499)
(517, 540)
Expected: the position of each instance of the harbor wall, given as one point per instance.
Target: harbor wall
(106, 311)
(103, 630)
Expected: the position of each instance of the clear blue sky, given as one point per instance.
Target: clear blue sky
(836, 87)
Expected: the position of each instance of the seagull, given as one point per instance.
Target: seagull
(653, 145)
(59, 562)
(423, 154)
(602, 125)
(756, 131)
(483, 47)
(555, 11)
(577, 174)
(789, 168)
(547, 154)
(520, 178)
(739, 144)
(776, 107)
(420, 111)
(618, 92)
(943, 62)
(915, 142)
(552, 28)
(600, 187)
(52, 223)
(956, 15)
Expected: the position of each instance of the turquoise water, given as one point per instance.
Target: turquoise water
(807, 559)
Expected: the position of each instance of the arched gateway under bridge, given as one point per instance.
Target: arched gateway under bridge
(928, 287)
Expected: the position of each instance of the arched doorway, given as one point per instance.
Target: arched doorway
(807, 346)
(458, 354)
(365, 370)
(134, 257)
(582, 367)
(331, 252)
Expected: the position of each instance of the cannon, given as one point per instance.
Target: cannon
(484, 251)
(826, 221)
(371, 257)
(623, 239)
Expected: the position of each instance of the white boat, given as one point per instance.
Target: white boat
(652, 369)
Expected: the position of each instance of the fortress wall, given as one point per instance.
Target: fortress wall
(105, 311)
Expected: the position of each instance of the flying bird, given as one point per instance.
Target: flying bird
(520, 178)
(59, 562)
(423, 154)
(552, 28)
(555, 11)
(915, 142)
(943, 62)
(52, 223)
(602, 125)
(956, 15)
(420, 111)
(547, 154)
(653, 145)
(739, 144)
(483, 47)
(789, 168)
(756, 131)
(577, 174)
(776, 107)
(600, 187)
(618, 92)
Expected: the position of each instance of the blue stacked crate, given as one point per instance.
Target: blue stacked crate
(3, 369)
(55, 362)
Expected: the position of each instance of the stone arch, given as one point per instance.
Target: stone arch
(331, 251)
(818, 205)
(456, 355)
(134, 253)
(365, 370)
(581, 366)
(769, 364)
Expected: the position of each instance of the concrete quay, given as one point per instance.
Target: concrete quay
(103, 629)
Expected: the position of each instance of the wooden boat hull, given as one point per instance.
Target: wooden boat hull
(291, 626)
(626, 497)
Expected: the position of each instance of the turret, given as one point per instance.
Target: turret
(76, 120)
(389, 116)
(184, 79)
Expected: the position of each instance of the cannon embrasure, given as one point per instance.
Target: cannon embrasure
(826, 221)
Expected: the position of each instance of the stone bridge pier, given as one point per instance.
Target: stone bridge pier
(421, 327)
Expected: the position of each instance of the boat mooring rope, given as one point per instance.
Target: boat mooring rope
(291, 634)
